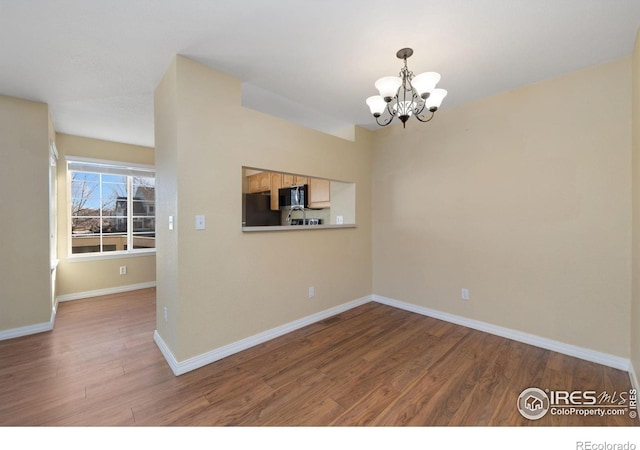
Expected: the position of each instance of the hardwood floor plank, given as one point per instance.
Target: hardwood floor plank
(368, 408)
(482, 402)
(561, 363)
(371, 365)
(96, 415)
(529, 373)
(404, 327)
(303, 402)
(554, 380)
(399, 368)
(35, 405)
(168, 411)
(436, 395)
(236, 389)
(326, 346)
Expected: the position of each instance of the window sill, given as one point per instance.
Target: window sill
(112, 255)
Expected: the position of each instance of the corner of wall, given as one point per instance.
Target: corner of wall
(633, 377)
(197, 140)
(635, 215)
(25, 271)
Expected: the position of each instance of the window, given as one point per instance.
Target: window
(112, 207)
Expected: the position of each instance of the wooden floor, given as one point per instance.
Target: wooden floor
(373, 365)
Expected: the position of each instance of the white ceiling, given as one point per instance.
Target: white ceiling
(97, 62)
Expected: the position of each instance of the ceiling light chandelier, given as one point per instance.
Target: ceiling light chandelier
(406, 95)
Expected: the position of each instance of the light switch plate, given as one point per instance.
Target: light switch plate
(200, 222)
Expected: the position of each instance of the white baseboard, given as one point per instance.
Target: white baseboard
(605, 359)
(107, 291)
(167, 353)
(181, 367)
(29, 329)
(633, 377)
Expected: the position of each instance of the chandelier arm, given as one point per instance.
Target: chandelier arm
(418, 100)
(389, 106)
(385, 123)
(391, 116)
(426, 120)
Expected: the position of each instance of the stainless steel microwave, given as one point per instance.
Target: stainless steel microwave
(293, 196)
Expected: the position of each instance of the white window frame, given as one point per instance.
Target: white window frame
(75, 163)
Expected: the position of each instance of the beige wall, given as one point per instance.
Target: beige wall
(635, 298)
(524, 198)
(227, 285)
(24, 235)
(167, 157)
(76, 276)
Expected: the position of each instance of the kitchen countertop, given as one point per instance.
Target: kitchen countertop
(297, 227)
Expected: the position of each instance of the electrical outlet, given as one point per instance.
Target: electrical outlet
(166, 315)
(464, 295)
(312, 291)
(123, 270)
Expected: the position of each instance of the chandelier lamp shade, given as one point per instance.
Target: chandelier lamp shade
(406, 95)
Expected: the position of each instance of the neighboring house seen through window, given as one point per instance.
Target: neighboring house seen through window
(112, 208)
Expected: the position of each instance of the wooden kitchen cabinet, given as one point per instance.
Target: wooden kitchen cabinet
(287, 180)
(293, 180)
(276, 184)
(260, 182)
(319, 193)
(319, 190)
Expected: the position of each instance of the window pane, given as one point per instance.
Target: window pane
(85, 225)
(85, 244)
(85, 207)
(85, 249)
(118, 224)
(145, 182)
(144, 208)
(144, 232)
(86, 176)
(84, 189)
(144, 241)
(144, 189)
(114, 199)
(85, 194)
(100, 216)
(114, 242)
(121, 179)
(144, 224)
